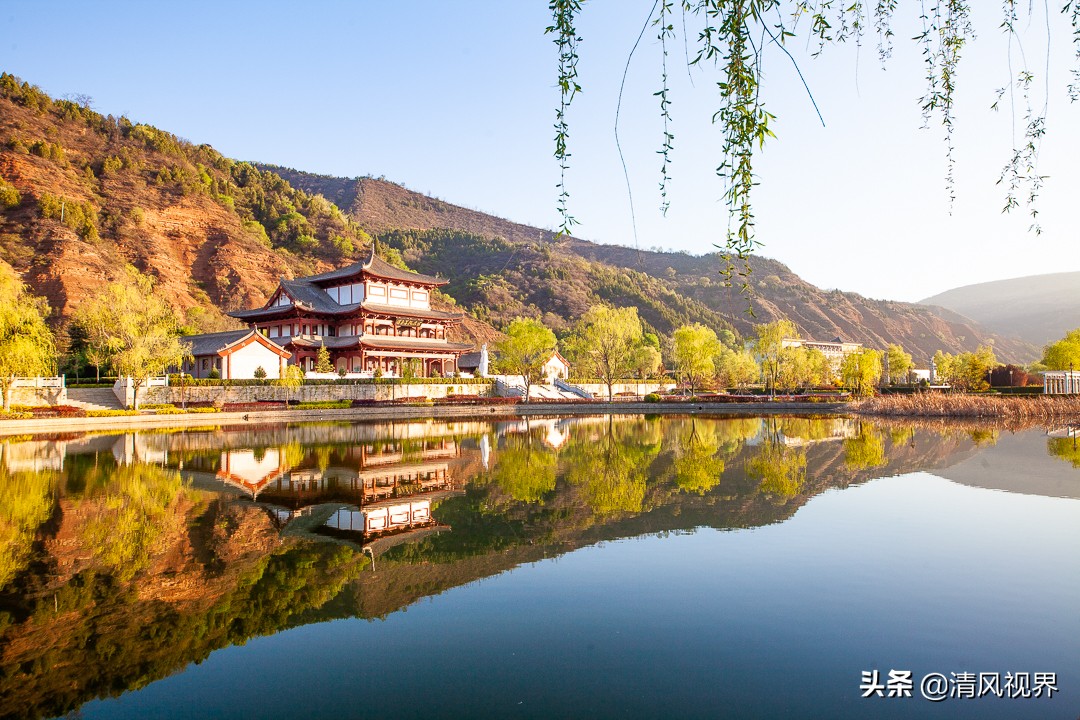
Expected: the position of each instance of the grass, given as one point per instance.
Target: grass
(1060, 408)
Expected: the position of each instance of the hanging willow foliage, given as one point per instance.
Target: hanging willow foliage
(726, 40)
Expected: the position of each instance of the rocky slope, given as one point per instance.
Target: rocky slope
(500, 269)
(95, 193)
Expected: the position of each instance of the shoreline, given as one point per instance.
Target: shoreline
(49, 426)
(1002, 411)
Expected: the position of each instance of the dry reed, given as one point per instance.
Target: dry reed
(1010, 409)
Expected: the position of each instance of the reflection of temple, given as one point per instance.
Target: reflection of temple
(387, 487)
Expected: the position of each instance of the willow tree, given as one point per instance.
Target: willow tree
(606, 342)
(737, 38)
(861, 370)
(527, 346)
(135, 329)
(693, 349)
(26, 343)
(769, 345)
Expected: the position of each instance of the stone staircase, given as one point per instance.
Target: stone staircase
(93, 399)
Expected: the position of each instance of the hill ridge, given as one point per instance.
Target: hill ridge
(217, 234)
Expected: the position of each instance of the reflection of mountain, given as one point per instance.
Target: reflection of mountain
(119, 572)
(1016, 464)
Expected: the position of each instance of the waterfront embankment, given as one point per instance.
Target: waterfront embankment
(376, 413)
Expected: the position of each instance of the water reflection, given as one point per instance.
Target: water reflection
(125, 557)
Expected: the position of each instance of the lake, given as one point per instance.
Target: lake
(600, 567)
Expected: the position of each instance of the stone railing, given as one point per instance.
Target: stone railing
(39, 391)
(571, 388)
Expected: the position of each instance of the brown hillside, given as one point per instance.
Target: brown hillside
(542, 274)
(215, 234)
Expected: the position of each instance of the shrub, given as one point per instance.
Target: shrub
(110, 413)
(652, 398)
(214, 375)
(9, 196)
(323, 405)
(260, 373)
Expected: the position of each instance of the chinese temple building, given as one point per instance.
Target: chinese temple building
(371, 317)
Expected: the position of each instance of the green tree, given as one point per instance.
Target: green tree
(135, 328)
(736, 368)
(943, 367)
(794, 368)
(769, 345)
(1063, 354)
(693, 349)
(528, 345)
(322, 360)
(970, 371)
(605, 341)
(292, 379)
(861, 371)
(898, 363)
(646, 361)
(26, 343)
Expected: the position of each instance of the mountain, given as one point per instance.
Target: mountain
(500, 269)
(83, 194)
(1038, 309)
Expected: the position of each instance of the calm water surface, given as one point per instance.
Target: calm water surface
(587, 567)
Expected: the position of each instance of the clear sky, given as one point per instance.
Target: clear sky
(457, 99)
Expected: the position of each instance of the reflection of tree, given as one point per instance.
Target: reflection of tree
(27, 502)
(525, 470)
(612, 469)
(866, 450)
(111, 639)
(809, 428)
(134, 515)
(984, 437)
(697, 467)
(781, 469)
(1064, 448)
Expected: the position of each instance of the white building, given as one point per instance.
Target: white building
(235, 355)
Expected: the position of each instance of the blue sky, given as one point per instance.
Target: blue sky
(457, 100)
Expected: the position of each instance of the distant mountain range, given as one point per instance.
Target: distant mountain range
(1038, 309)
(218, 233)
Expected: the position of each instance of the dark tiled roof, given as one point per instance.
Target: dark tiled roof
(377, 266)
(339, 274)
(411, 312)
(395, 343)
(260, 313)
(312, 297)
(213, 343)
(469, 360)
(331, 343)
